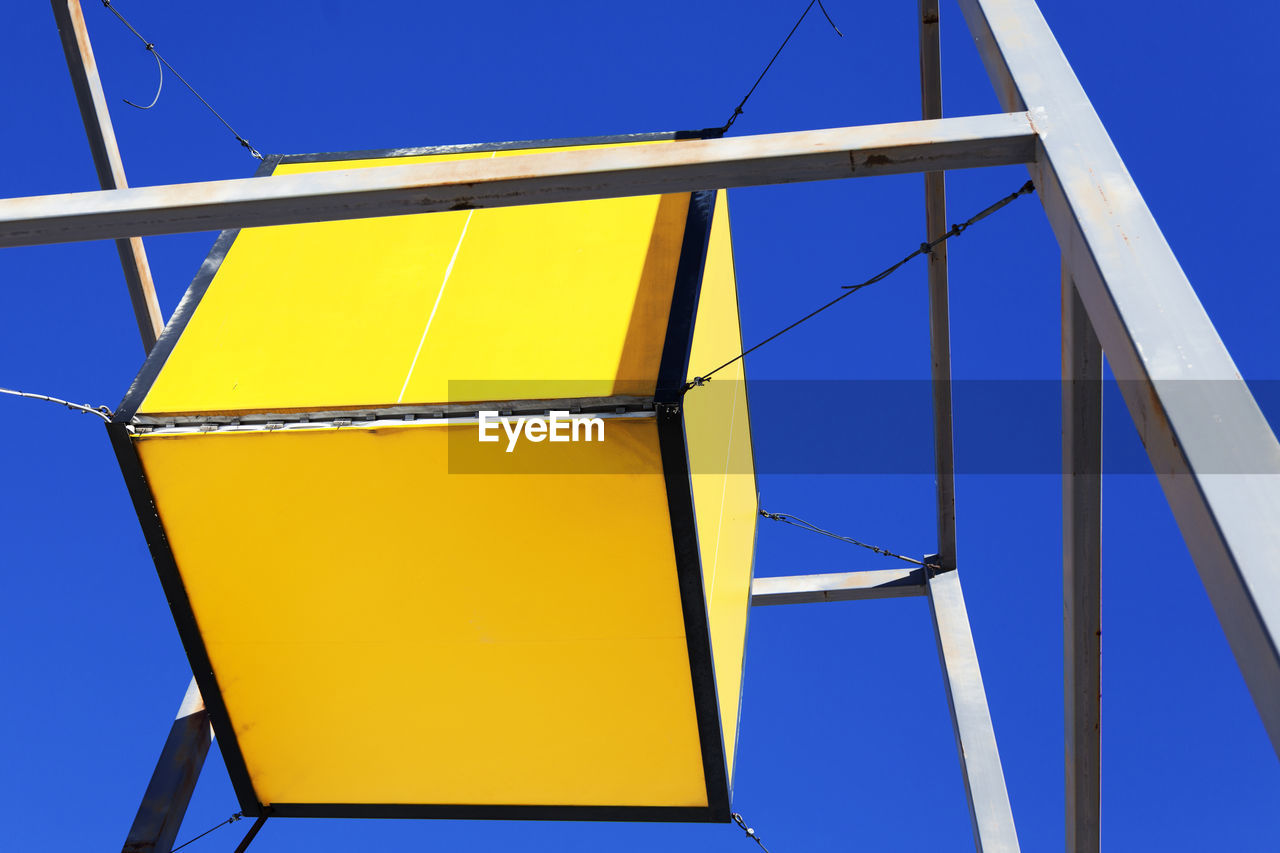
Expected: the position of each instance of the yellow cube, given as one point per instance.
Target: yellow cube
(445, 531)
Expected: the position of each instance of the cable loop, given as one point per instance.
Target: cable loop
(750, 833)
(159, 86)
(150, 46)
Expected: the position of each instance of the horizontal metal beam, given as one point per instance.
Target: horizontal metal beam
(1217, 459)
(841, 586)
(683, 166)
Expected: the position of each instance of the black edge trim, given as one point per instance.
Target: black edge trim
(648, 814)
(183, 616)
(177, 324)
(672, 371)
(513, 145)
(159, 354)
(684, 537)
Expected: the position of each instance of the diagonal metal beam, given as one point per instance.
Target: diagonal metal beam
(989, 810)
(779, 158)
(1081, 569)
(1217, 459)
(164, 804)
(106, 159)
(837, 586)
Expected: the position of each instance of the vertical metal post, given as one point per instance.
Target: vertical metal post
(164, 804)
(1081, 567)
(989, 810)
(935, 201)
(106, 159)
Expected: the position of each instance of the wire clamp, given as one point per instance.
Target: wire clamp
(750, 833)
(933, 566)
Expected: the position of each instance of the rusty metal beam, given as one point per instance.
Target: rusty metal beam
(813, 155)
(106, 159)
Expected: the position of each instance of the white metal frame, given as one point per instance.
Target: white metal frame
(1123, 293)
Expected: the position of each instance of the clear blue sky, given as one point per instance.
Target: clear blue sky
(846, 740)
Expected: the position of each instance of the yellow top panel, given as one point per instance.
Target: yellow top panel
(384, 631)
(723, 472)
(558, 300)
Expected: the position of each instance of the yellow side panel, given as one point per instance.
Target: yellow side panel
(384, 631)
(554, 300)
(723, 471)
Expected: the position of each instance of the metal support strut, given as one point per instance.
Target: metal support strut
(1081, 568)
(1209, 443)
(989, 810)
(106, 159)
(164, 804)
(155, 828)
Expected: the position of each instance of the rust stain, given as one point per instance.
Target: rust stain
(1105, 200)
(1011, 97)
(1154, 416)
(1031, 120)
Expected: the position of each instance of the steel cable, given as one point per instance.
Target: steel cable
(150, 46)
(850, 289)
(737, 111)
(796, 521)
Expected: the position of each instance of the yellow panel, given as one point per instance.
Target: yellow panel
(723, 471)
(556, 300)
(386, 632)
